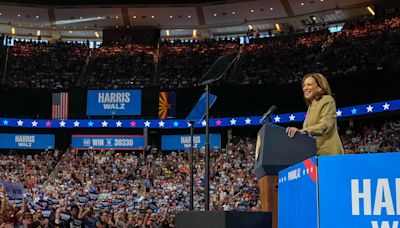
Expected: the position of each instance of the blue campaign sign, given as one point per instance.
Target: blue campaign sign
(183, 142)
(113, 102)
(297, 195)
(360, 190)
(13, 190)
(26, 141)
(115, 142)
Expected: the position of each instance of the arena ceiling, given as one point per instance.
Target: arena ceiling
(109, 2)
(67, 19)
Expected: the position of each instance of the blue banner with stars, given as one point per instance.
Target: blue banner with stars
(366, 109)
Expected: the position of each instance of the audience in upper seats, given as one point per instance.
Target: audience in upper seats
(370, 44)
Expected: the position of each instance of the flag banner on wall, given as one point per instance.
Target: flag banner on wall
(166, 105)
(59, 106)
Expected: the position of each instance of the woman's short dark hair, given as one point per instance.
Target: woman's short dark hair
(322, 82)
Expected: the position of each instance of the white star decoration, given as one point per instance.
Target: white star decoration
(76, 123)
(233, 121)
(386, 106)
(118, 123)
(189, 124)
(34, 123)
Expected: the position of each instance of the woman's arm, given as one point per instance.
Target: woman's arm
(3, 201)
(21, 213)
(84, 213)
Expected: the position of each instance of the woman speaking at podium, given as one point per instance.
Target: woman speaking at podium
(320, 120)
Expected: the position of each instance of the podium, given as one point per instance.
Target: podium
(274, 152)
(351, 190)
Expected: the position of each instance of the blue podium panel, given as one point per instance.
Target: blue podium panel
(360, 190)
(297, 195)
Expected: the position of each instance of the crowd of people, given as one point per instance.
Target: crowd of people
(120, 66)
(280, 60)
(109, 189)
(371, 139)
(370, 44)
(362, 45)
(44, 65)
(184, 64)
(30, 169)
(147, 188)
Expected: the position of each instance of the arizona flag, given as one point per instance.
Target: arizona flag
(166, 105)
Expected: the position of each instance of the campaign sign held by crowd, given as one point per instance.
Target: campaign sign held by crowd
(183, 142)
(115, 142)
(14, 191)
(113, 102)
(26, 141)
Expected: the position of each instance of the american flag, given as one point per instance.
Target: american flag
(59, 107)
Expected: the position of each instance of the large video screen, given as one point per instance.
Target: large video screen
(183, 142)
(115, 142)
(26, 141)
(113, 102)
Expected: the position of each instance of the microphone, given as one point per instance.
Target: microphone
(269, 112)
